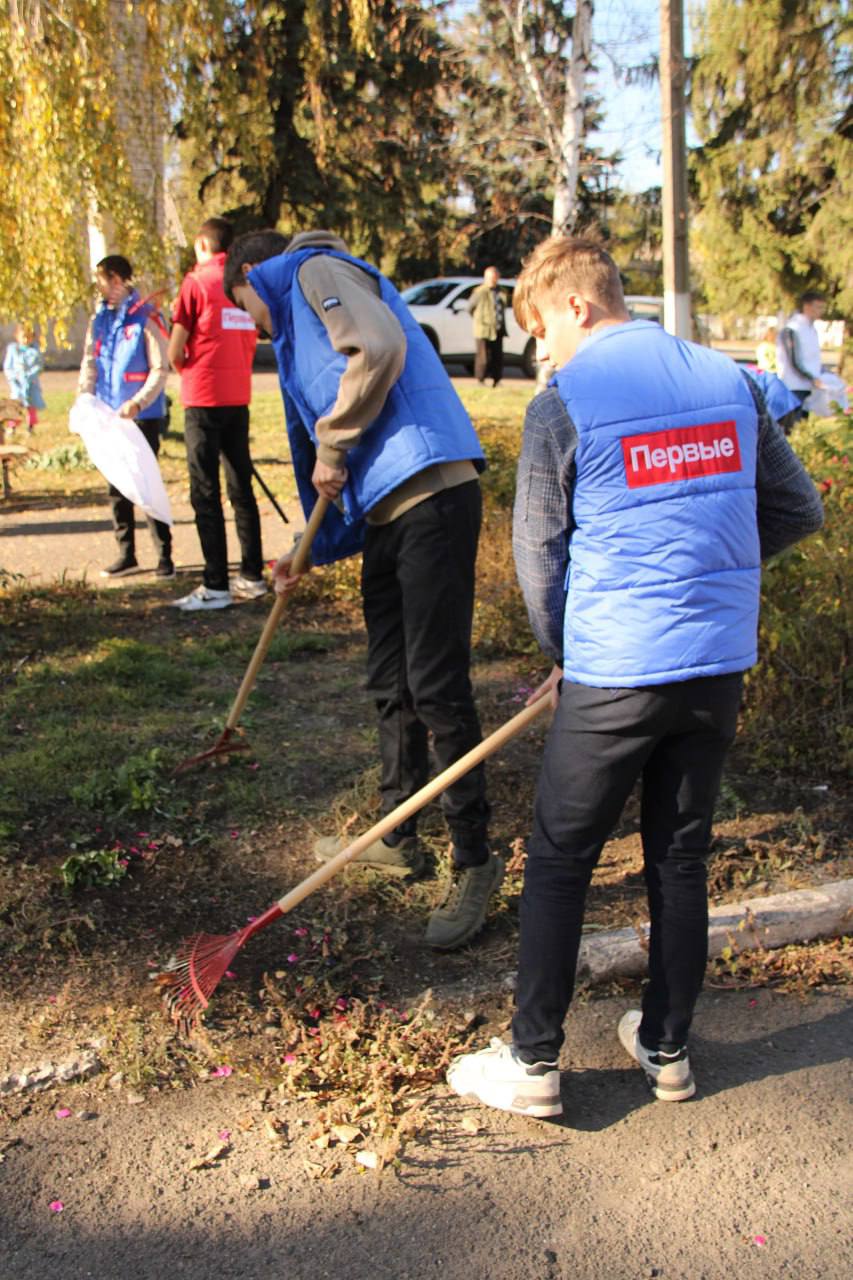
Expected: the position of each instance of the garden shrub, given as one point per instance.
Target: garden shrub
(795, 716)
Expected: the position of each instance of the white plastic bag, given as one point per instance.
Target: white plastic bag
(819, 402)
(122, 455)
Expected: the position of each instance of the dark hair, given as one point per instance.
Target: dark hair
(115, 265)
(219, 232)
(810, 295)
(255, 246)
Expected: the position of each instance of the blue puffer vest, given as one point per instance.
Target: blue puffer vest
(119, 340)
(664, 569)
(423, 421)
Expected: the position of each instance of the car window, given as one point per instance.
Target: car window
(428, 294)
(464, 294)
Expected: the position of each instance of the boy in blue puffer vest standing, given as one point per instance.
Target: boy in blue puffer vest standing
(376, 427)
(651, 484)
(125, 364)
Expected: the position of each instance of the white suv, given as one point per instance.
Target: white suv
(440, 307)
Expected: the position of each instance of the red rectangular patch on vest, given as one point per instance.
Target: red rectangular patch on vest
(660, 457)
(136, 377)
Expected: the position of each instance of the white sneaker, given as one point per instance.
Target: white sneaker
(250, 588)
(500, 1079)
(668, 1074)
(203, 598)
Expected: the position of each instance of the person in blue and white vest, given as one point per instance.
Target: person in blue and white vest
(651, 484)
(376, 427)
(125, 364)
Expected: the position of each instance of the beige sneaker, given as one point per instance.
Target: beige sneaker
(404, 859)
(463, 911)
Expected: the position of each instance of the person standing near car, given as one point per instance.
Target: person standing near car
(488, 309)
(125, 365)
(212, 347)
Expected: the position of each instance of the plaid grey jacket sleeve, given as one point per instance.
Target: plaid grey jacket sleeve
(542, 518)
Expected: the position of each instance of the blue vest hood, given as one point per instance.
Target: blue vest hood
(122, 361)
(664, 568)
(423, 421)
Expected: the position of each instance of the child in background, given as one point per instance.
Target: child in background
(22, 365)
(765, 352)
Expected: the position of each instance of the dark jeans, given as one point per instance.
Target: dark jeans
(601, 740)
(489, 359)
(211, 433)
(124, 520)
(418, 592)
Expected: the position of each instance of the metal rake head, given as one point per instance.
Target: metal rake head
(223, 746)
(193, 974)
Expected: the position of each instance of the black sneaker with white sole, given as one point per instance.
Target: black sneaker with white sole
(124, 564)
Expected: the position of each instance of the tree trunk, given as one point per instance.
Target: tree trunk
(564, 209)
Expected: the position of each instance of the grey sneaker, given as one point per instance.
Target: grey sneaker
(668, 1074)
(248, 588)
(404, 859)
(498, 1078)
(463, 911)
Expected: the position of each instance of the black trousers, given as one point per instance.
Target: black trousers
(489, 359)
(601, 740)
(418, 594)
(124, 520)
(211, 434)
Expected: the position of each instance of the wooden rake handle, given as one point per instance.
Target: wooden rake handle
(300, 560)
(411, 806)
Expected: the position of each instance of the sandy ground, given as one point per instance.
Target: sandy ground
(750, 1179)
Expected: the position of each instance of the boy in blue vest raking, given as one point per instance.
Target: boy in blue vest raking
(652, 482)
(376, 427)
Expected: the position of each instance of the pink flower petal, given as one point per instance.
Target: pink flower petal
(759, 1240)
(224, 1135)
(255, 765)
(289, 1059)
(229, 974)
(51, 999)
(222, 1071)
(62, 1113)
(292, 958)
(234, 834)
(251, 919)
(301, 932)
(56, 1206)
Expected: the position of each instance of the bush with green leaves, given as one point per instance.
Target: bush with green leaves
(795, 715)
(93, 869)
(70, 456)
(135, 786)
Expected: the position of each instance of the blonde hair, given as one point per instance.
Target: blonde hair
(566, 264)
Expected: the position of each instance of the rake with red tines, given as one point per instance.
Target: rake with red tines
(191, 978)
(226, 742)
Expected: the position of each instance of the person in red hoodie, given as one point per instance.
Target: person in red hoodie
(212, 346)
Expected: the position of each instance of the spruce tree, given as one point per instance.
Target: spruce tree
(773, 176)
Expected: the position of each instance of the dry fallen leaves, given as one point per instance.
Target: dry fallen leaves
(210, 1157)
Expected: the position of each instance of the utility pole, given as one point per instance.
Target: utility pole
(676, 273)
